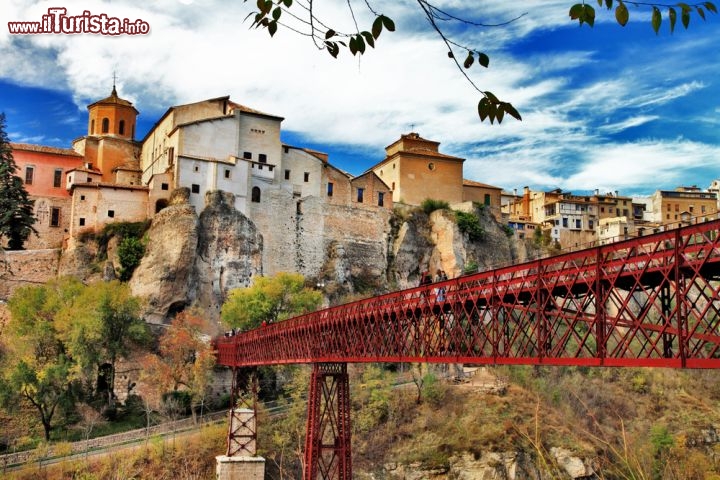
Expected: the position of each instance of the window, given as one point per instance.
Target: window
(306, 176)
(591, 225)
(196, 168)
(691, 208)
(360, 194)
(255, 195)
(171, 155)
(262, 158)
(29, 171)
(195, 188)
(286, 149)
(431, 166)
(702, 208)
(669, 207)
(330, 189)
(57, 178)
(227, 173)
(381, 199)
(287, 174)
(92, 127)
(55, 217)
(487, 199)
(602, 209)
(121, 127)
(677, 207)
(393, 186)
(81, 222)
(565, 222)
(89, 179)
(105, 125)
(111, 213)
(247, 155)
(164, 186)
(82, 197)
(578, 223)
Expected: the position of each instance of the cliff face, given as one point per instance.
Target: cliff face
(229, 252)
(191, 260)
(165, 274)
(195, 260)
(434, 242)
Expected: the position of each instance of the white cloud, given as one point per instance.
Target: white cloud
(572, 97)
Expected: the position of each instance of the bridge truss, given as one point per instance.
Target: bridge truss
(651, 301)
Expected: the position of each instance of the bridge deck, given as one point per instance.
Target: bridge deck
(648, 301)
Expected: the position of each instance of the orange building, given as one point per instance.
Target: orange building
(105, 157)
(44, 170)
(110, 141)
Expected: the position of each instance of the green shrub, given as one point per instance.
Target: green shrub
(470, 267)
(469, 224)
(429, 205)
(130, 252)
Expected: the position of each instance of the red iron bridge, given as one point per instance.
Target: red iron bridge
(652, 301)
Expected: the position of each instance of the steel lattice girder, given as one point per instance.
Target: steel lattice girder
(648, 301)
(327, 439)
(242, 426)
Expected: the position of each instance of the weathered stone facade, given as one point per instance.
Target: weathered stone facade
(26, 267)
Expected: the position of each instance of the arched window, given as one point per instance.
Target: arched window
(255, 195)
(121, 127)
(105, 125)
(92, 127)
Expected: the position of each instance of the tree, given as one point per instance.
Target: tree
(304, 21)
(102, 326)
(16, 207)
(36, 367)
(185, 358)
(270, 299)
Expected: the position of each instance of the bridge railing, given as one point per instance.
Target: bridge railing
(651, 300)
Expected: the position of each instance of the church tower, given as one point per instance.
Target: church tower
(112, 116)
(110, 141)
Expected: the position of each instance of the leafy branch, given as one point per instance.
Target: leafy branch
(270, 13)
(585, 13)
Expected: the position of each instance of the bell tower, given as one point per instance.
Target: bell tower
(110, 140)
(112, 116)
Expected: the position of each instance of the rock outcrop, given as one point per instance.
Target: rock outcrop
(491, 466)
(165, 275)
(229, 252)
(191, 260)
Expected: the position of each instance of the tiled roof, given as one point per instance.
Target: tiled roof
(44, 149)
(472, 183)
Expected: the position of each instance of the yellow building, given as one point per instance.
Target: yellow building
(415, 170)
(683, 205)
(488, 195)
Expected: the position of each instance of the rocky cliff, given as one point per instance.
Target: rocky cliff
(195, 261)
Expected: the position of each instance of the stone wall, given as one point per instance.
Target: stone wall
(26, 267)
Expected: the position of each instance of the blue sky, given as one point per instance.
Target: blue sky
(609, 107)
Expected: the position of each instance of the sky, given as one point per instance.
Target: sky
(610, 108)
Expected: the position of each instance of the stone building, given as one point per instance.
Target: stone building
(44, 170)
(683, 205)
(415, 170)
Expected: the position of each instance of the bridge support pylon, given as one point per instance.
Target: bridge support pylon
(327, 441)
(241, 461)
